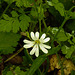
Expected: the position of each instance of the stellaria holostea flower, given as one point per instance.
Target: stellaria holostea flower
(36, 43)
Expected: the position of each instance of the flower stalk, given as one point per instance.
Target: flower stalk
(59, 30)
(5, 10)
(40, 25)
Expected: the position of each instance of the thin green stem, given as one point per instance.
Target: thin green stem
(39, 16)
(30, 60)
(40, 25)
(5, 10)
(28, 56)
(14, 55)
(72, 8)
(59, 30)
(44, 23)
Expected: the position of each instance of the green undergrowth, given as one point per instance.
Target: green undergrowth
(18, 18)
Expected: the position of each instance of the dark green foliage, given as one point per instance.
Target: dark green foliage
(68, 51)
(19, 3)
(70, 25)
(8, 42)
(13, 24)
(25, 16)
(73, 73)
(24, 22)
(16, 71)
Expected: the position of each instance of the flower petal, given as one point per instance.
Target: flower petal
(46, 40)
(33, 50)
(43, 49)
(37, 35)
(37, 51)
(43, 36)
(27, 41)
(29, 45)
(46, 46)
(32, 36)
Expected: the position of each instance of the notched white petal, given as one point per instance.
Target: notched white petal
(43, 49)
(37, 51)
(32, 35)
(27, 41)
(46, 40)
(35, 44)
(46, 46)
(33, 50)
(28, 45)
(43, 36)
(37, 35)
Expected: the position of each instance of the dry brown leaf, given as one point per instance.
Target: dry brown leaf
(67, 64)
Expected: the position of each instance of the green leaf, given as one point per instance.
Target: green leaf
(9, 73)
(36, 65)
(6, 25)
(69, 53)
(69, 38)
(38, 61)
(73, 39)
(14, 14)
(15, 25)
(60, 8)
(67, 3)
(28, 3)
(54, 30)
(67, 50)
(72, 14)
(5, 16)
(9, 1)
(12, 23)
(8, 42)
(34, 13)
(55, 1)
(40, 12)
(50, 3)
(24, 23)
(61, 36)
(9, 23)
(68, 35)
(25, 17)
(18, 71)
(19, 3)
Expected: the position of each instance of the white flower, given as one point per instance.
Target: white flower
(36, 43)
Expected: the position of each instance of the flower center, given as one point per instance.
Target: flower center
(37, 41)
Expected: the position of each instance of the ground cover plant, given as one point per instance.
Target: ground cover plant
(37, 37)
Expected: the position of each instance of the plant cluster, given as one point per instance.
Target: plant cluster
(20, 19)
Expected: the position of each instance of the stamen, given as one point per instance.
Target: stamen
(37, 41)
